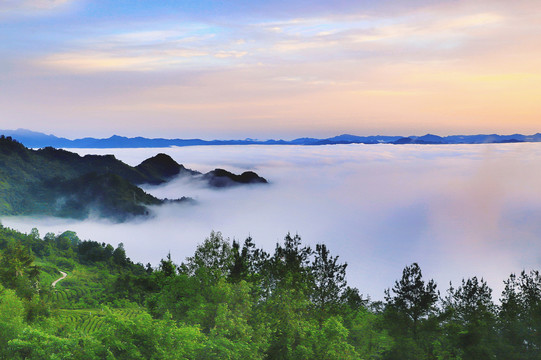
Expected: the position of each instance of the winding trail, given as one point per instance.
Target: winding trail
(62, 278)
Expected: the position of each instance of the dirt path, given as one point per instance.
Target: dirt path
(62, 278)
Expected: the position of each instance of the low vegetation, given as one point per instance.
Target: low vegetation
(235, 301)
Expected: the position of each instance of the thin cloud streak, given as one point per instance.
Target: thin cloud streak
(15, 6)
(339, 36)
(458, 210)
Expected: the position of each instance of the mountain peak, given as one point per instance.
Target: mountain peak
(221, 178)
(118, 137)
(159, 167)
(34, 139)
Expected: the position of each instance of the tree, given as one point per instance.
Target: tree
(17, 270)
(248, 262)
(411, 308)
(520, 316)
(144, 338)
(290, 265)
(34, 234)
(329, 279)
(11, 319)
(212, 259)
(93, 251)
(331, 341)
(469, 320)
(70, 237)
(367, 335)
(239, 268)
(167, 268)
(236, 334)
(292, 331)
(36, 344)
(119, 255)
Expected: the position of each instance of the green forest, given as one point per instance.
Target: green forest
(232, 300)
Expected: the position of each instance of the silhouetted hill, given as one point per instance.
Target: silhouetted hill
(222, 178)
(404, 140)
(57, 182)
(424, 140)
(105, 195)
(431, 139)
(162, 167)
(353, 139)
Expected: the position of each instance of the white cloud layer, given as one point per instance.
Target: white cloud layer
(457, 210)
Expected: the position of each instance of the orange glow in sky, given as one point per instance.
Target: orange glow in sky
(279, 69)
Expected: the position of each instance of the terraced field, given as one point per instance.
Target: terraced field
(63, 295)
(91, 320)
(81, 288)
(71, 295)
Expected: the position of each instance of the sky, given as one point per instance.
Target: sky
(457, 210)
(270, 69)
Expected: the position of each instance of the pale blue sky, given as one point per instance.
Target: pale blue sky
(261, 69)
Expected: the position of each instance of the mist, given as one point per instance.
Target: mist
(457, 210)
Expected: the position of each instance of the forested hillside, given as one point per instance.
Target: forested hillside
(60, 183)
(232, 300)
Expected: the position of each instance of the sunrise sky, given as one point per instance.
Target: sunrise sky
(270, 69)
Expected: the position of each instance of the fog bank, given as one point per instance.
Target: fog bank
(457, 210)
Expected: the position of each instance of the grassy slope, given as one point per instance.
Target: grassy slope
(81, 300)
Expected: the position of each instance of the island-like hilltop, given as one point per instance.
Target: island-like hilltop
(57, 182)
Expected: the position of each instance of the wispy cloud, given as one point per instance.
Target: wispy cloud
(335, 37)
(164, 48)
(32, 7)
(342, 35)
(122, 61)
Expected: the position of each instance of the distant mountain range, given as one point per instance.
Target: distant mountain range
(34, 139)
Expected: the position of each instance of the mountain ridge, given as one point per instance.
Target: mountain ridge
(57, 182)
(33, 139)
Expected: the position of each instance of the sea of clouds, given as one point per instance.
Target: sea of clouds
(457, 210)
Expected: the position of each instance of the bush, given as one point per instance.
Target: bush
(64, 264)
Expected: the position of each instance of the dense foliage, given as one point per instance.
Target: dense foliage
(236, 301)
